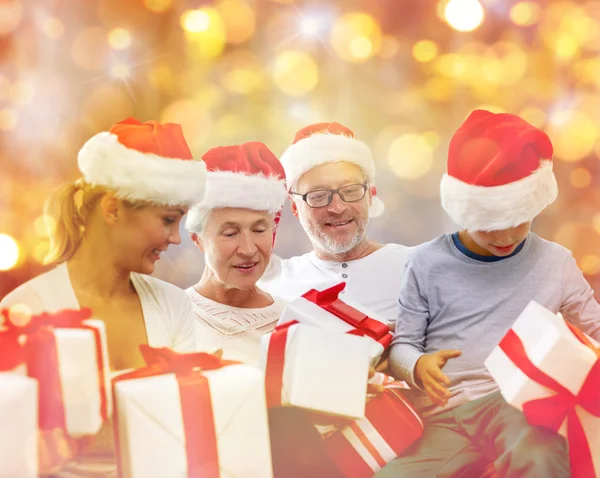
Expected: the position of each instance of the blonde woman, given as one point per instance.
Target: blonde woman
(112, 225)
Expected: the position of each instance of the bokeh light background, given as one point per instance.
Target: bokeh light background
(402, 73)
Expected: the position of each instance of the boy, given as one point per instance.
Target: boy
(462, 292)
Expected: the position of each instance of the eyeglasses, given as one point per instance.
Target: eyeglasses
(323, 197)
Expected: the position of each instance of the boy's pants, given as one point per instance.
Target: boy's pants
(464, 441)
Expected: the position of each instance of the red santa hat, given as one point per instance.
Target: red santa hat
(323, 143)
(245, 176)
(144, 162)
(499, 172)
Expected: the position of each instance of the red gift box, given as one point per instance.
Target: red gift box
(363, 447)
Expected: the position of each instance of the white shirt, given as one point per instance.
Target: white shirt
(167, 309)
(372, 281)
(235, 330)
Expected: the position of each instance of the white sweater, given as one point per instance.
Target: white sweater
(235, 330)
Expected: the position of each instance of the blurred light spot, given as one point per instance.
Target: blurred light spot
(464, 15)
(525, 14)
(239, 19)
(205, 31)
(356, 37)
(533, 115)
(590, 264)
(5, 88)
(89, 49)
(9, 252)
(53, 28)
(19, 314)
(425, 50)
(573, 135)
(120, 71)
(410, 156)
(158, 6)
(119, 38)
(8, 119)
(10, 16)
(311, 25)
(40, 251)
(580, 178)
(295, 73)
(195, 21)
(565, 46)
(361, 48)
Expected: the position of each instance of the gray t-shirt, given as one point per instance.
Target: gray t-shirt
(451, 301)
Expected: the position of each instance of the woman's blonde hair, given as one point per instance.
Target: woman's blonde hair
(68, 209)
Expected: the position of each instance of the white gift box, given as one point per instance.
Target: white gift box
(151, 435)
(306, 312)
(553, 348)
(19, 426)
(324, 371)
(80, 377)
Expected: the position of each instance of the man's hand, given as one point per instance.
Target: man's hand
(428, 372)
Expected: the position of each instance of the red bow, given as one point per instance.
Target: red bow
(364, 325)
(196, 405)
(551, 412)
(40, 355)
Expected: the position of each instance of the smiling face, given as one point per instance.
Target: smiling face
(237, 245)
(144, 233)
(499, 243)
(341, 226)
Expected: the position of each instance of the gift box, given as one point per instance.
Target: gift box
(362, 448)
(18, 413)
(551, 371)
(325, 309)
(316, 369)
(66, 352)
(191, 415)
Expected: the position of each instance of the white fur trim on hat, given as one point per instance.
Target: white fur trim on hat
(323, 148)
(138, 176)
(232, 189)
(479, 208)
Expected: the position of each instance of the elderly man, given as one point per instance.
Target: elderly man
(331, 180)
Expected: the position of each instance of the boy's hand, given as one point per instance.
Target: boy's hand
(428, 371)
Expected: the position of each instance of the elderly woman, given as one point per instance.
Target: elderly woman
(111, 226)
(235, 229)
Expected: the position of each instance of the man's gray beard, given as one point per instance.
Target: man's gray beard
(333, 246)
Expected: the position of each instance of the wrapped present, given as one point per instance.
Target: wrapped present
(391, 425)
(325, 309)
(316, 369)
(191, 415)
(551, 371)
(66, 352)
(18, 413)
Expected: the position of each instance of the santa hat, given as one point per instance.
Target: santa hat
(323, 143)
(144, 162)
(499, 172)
(246, 176)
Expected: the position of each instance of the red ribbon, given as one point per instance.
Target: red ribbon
(11, 352)
(276, 364)
(551, 412)
(40, 355)
(196, 404)
(364, 325)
